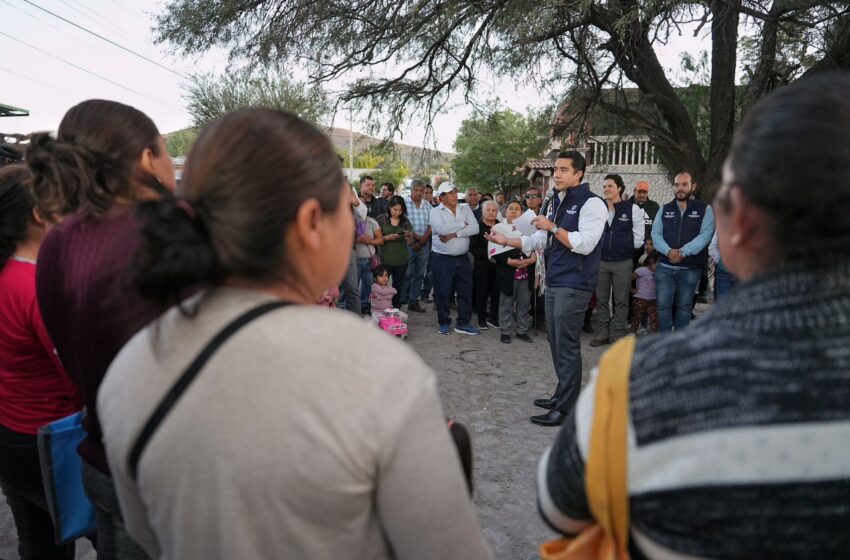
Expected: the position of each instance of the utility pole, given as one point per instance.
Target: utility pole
(350, 143)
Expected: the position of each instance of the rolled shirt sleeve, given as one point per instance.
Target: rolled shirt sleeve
(591, 224)
(701, 241)
(534, 242)
(638, 225)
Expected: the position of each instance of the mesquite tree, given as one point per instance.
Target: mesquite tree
(409, 57)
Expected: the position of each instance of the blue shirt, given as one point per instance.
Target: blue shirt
(694, 246)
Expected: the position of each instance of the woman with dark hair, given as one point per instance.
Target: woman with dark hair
(484, 270)
(105, 158)
(737, 431)
(34, 388)
(397, 235)
(296, 439)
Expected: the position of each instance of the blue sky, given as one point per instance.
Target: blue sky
(48, 65)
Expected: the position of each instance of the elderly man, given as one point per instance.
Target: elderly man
(681, 234)
(419, 214)
(570, 233)
(452, 225)
(533, 200)
(472, 200)
(737, 432)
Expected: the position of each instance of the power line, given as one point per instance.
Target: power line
(110, 41)
(87, 71)
(39, 82)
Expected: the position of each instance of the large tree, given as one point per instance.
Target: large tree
(490, 148)
(209, 96)
(410, 56)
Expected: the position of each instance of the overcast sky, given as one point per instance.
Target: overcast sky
(47, 65)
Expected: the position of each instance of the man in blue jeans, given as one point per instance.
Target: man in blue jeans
(681, 233)
(569, 230)
(419, 214)
(452, 226)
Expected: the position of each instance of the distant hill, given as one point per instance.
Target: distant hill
(415, 157)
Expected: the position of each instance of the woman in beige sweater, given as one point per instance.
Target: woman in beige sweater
(294, 440)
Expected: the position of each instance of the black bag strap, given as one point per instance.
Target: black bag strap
(176, 391)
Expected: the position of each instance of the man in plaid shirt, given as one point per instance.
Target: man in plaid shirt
(419, 214)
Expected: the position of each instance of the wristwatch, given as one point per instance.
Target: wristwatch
(555, 230)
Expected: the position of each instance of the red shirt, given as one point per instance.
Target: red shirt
(34, 388)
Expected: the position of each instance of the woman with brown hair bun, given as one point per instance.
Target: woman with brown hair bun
(105, 158)
(293, 439)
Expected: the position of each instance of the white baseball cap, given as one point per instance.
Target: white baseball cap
(445, 187)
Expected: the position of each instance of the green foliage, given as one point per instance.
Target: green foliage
(180, 142)
(393, 171)
(210, 97)
(490, 149)
(369, 159)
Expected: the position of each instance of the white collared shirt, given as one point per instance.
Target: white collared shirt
(591, 224)
(445, 222)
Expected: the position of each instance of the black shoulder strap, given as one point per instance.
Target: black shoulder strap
(183, 382)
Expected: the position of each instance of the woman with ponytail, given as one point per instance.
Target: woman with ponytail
(106, 157)
(34, 388)
(295, 439)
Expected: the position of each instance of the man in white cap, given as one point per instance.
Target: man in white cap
(452, 225)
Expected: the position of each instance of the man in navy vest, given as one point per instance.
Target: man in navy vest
(569, 230)
(624, 233)
(681, 233)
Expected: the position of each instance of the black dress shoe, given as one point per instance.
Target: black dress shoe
(548, 404)
(551, 418)
(505, 338)
(524, 337)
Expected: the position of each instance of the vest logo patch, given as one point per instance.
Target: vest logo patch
(694, 214)
(573, 209)
(669, 215)
(624, 218)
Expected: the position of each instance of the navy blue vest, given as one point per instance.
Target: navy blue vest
(681, 228)
(565, 269)
(618, 239)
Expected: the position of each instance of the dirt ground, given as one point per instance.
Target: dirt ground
(490, 386)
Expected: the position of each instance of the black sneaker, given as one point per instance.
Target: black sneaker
(492, 324)
(524, 337)
(506, 338)
(482, 326)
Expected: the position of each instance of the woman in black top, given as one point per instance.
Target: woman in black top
(484, 271)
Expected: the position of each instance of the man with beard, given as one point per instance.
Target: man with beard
(681, 234)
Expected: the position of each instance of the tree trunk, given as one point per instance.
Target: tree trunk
(724, 45)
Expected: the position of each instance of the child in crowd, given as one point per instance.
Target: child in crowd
(382, 294)
(648, 249)
(643, 302)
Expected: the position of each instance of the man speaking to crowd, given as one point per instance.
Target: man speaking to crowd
(569, 230)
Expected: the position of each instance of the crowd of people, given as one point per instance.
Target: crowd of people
(183, 319)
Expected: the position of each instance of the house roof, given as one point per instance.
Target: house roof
(9, 111)
(539, 164)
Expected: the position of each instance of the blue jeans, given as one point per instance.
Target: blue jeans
(565, 309)
(416, 267)
(452, 274)
(364, 270)
(675, 286)
(723, 282)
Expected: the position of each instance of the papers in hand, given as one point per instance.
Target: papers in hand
(506, 229)
(523, 223)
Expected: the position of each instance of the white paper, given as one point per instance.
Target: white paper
(506, 229)
(523, 223)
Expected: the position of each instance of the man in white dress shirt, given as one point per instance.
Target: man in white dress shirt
(569, 229)
(452, 225)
